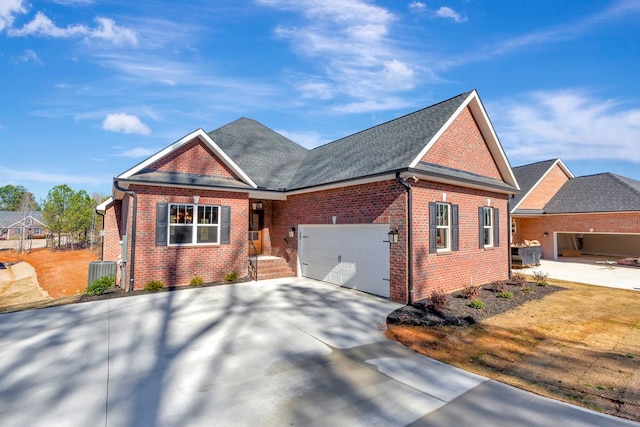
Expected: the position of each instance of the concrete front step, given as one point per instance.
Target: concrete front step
(273, 268)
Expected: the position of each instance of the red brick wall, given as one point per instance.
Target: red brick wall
(196, 158)
(462, 147)
(382, 202)
(534, 228)
(469, 265)
(385, 202)
(545, 190)
(177, 265)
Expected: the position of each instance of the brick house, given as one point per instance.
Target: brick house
(406, 207)
(14, 224)
(595, 214)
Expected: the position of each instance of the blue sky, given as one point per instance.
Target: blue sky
(90, 88)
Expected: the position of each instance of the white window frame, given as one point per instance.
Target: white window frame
(487, 214)
(440, 225)
(195, 222)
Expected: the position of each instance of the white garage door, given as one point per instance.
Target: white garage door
(353, 256)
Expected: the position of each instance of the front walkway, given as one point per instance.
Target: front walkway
(270, 353)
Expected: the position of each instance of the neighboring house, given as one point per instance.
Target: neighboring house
(595, 214)
(14, 224)
(435, 181)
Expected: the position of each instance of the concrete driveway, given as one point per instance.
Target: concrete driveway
(600, 271)
(286, 352)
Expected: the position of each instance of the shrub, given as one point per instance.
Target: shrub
(505, 294)
(477, 304)
(518, 280)
(471, 292)
(154, 286)
(231, 277)
(498, 286)
(543, 283)
(196, 281)
(527, 290)
(99, 286)
(540, 276)
(439, 300)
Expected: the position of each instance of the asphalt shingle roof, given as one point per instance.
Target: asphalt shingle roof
(274, 162)
(267, 157)
(605, 192)
(528, 175)
(9, 218)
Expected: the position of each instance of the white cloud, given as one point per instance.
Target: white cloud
(106, 29)
(125, 123)
(29, 56)
(447, 12)
(41, 25)
(350, 40)
(568, 124)
(417, 7)
(306, 139)
(137, 152)
(8, 10)
(34, 175)
(372, 105)
(74, 2)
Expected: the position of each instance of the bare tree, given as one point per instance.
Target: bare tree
(25, 209)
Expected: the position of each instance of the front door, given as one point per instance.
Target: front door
(256, 219)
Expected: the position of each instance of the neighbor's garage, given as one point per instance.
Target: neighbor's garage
(609, 244)
(355, 256)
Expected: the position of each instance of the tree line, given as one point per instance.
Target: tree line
(69, 215)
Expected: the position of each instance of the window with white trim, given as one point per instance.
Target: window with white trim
(194, 224)
(443, 224)
(487, 214)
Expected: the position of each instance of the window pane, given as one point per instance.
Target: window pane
(208, 234)
(173, 214)
(442, 238)
(207, 215)
(487, 217)
(443, 214)
(488, 233)
(180, 234)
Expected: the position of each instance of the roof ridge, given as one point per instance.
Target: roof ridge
(617, 178)
(537, 163)
(394, 120)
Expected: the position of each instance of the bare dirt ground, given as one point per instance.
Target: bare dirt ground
(42, 275)
(579, 343)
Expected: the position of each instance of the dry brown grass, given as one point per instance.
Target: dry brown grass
(580, 345)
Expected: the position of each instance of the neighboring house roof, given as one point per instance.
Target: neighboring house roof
(604, 192)
(10, 219)
(266, 160)
(529, 176)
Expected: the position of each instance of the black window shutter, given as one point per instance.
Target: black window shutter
(433, 228)
(481, 227)
(455, 241)
(496, 227)
(225, 225)
(162, 215)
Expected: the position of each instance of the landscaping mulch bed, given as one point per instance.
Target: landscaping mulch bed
(458, 311)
